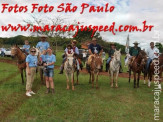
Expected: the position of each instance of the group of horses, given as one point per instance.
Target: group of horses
(136, 66)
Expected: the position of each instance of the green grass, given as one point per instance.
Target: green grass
(123, 104)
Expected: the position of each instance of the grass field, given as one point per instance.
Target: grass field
(124, 104)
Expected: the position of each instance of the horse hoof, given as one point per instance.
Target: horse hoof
(116, 86)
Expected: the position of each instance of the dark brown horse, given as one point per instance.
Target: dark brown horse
(137, 66)
(17, 52)
(156, 66)
(95, 67)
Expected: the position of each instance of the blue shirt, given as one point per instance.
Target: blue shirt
(32, 60)
(42, 46)
(95, 48)
(26, 47)
(43, 57)
(49, 59)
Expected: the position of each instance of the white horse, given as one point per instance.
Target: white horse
(69, 68)
(114, 67)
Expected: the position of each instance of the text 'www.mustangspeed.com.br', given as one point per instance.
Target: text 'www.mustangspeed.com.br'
(75, 28)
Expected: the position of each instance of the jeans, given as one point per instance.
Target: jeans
(107, 62)
(49, 72)
(148, 62)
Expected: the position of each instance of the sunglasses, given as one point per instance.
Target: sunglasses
(33, 51)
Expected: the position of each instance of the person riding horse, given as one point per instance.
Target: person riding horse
(26, 47)
(43, 45)
(134, 51)
(152, 53)
(71, 48)
(94, 48)
(111, 53)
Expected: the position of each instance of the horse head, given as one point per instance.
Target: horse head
(117, 55)
(14, 51)
(70, 60)
(97, 61)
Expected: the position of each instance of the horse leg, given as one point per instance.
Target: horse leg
(77, 74)
(97, 80)
(41, 75)
(67, 81)
(25, 73)
(21, 71)
(90, 77)
(112, 75)
(93, 77)
(159, 86)
(145, 75)
(149, 79)
(134, 79)
(129, 74)
(72, 81)
(138, 80)
(116, 80)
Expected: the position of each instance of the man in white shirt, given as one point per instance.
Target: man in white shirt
(152, 53)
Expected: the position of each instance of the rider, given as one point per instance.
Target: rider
(111, 54)
(152, 53)
(43, 44)
(26, 47)
(93, 48)
(134, 51)
(71, 48)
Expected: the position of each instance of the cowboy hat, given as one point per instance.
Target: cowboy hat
(135, 42)
(74, 41)
(94, 39)
(43, 36)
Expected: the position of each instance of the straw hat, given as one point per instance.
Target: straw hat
(135, 42)
(43, 36)
(74, 41)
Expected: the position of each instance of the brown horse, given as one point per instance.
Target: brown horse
(95, 67)
(156, 66)
(137, 66)
(17, 52)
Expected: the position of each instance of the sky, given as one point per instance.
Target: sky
(126, 12)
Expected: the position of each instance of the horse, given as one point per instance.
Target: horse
(137, 66)
(17, 52)
(114, 67)
(69, 67)
(156, 63)
(95, 62)
(40, 65)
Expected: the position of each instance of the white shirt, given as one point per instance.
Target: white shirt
(76, 50)
(152, 53)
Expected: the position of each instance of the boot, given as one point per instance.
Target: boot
(107, 67)
(120, 70)
(53, 91)
(61, 71)
(47, 91)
